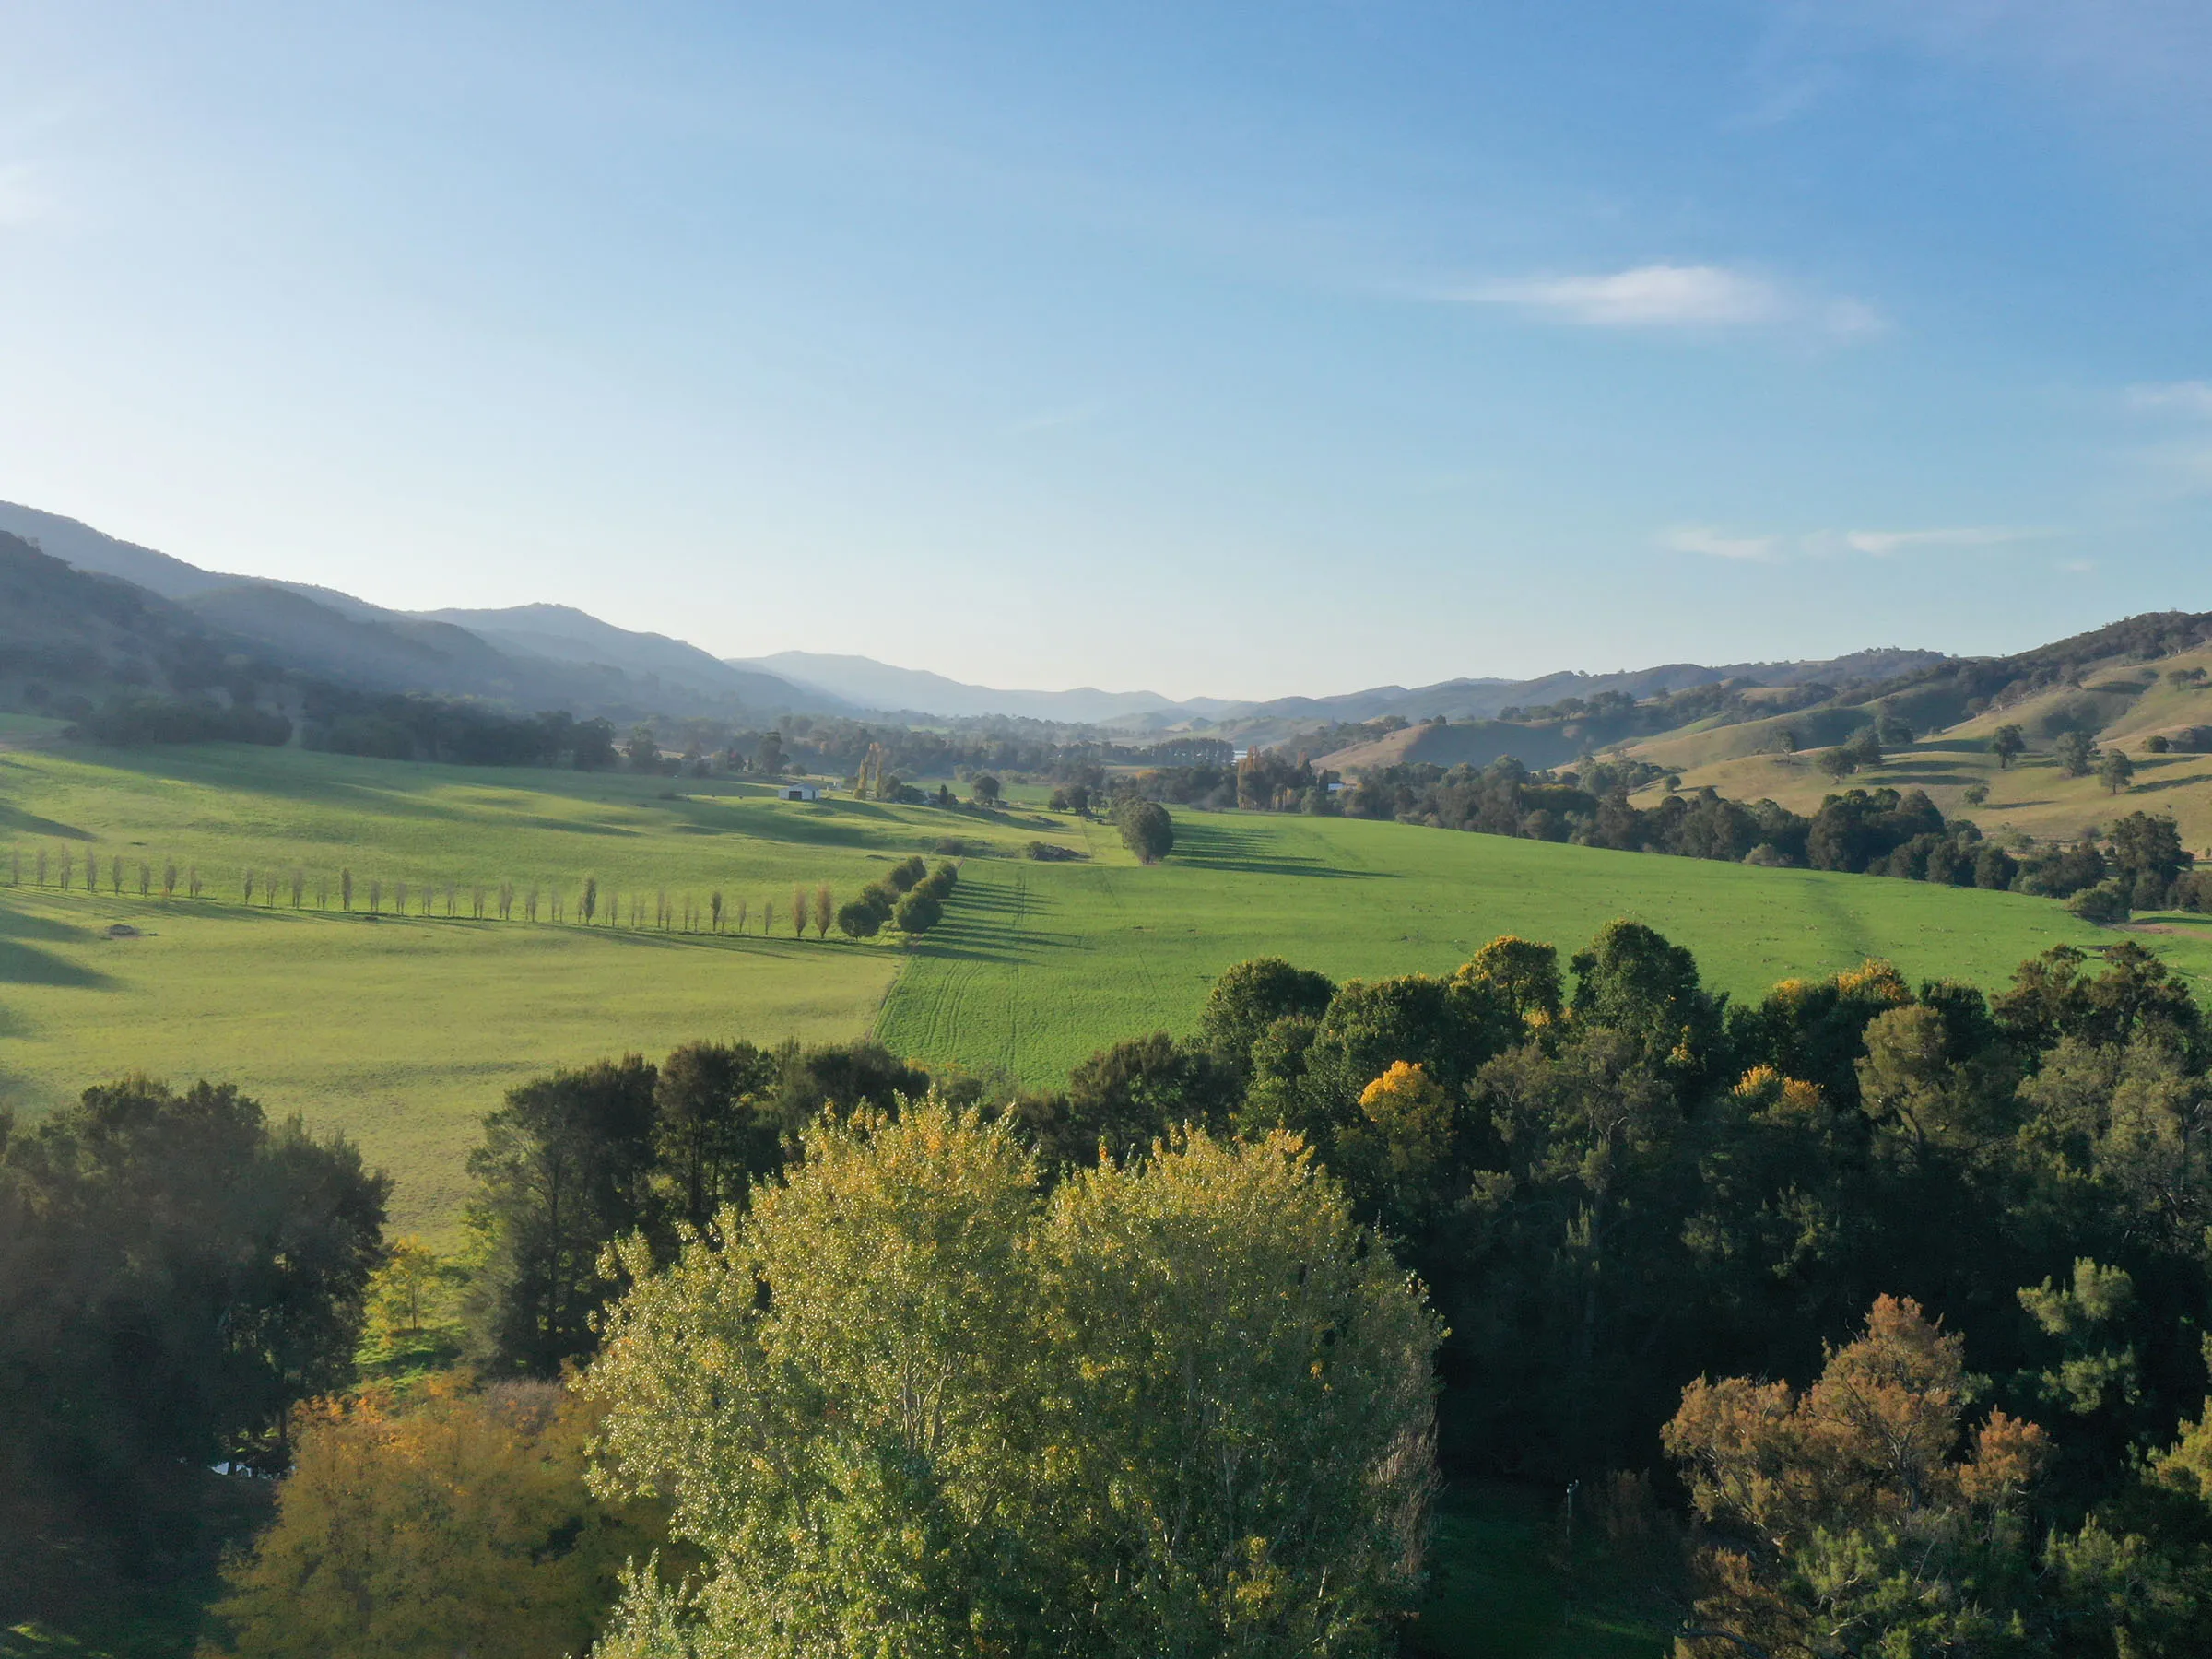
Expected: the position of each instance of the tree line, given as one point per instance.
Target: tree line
(2140, 864)
(910, 899)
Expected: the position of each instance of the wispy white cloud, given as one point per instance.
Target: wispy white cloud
(1677, 296)
(1829, 543)
(2193, 398)
(1881, 543)
(1719, 543)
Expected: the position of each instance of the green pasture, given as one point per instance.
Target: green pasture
(1036, 963)
(404, 1030)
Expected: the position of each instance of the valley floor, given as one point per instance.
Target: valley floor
(404, 1030)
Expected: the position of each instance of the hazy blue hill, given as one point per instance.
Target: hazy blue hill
(870, 683)
(561, 633)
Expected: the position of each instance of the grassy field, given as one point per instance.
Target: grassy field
(404, 1030)
(1037, 963)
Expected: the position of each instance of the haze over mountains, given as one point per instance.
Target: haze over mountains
(539, 654)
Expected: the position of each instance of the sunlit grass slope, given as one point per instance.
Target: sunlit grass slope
(1037, 963)
(405, 1031)
(401, 1032)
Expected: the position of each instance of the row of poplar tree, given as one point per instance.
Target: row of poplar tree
(909, 898)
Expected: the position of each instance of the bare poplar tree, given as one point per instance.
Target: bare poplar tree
(745, 908)
(768, 917)
(246, 885)
(376, 895)
(799, 912)
(168, 878)
(824, 905)
(530, 903)
(345, 888)
(299, 886)
(115, 874)
(399, 898)
(41, 866)
(589, 905)
(714, 908)
(145, 878)
(322, 892)
(68, 863)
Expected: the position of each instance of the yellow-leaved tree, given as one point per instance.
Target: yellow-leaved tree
(457, 1524)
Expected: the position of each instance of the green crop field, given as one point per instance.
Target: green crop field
(1036, 963)
(404, 1030)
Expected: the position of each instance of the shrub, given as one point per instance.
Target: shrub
(1048, 852)
(2104, 904)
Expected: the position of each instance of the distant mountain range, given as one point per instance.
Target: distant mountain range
(553, 656)
(870, 683)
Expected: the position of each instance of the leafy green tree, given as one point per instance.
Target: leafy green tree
(917, 912)
(851, 1407)
(1524, 975)
(715, 1128)
(2148, 858)
(1147, 829)
(2007, 745)
(1631, 980)
(1126, 1096)
(642, 751)
(859, 919)
(1836, 763)
(2076, 754)
(985, 788)
(175, 1273)
(2115, 770)
(1248, 998)
(562, 1169)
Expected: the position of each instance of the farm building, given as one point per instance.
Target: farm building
(799, 792)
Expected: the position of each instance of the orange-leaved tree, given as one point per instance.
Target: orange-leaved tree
(1862, 1515)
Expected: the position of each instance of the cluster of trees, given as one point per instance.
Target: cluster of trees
(175, 1273)
(1614, 1184)
(910, 897)
(1047, 1368)
(131, 718)
(456, 731)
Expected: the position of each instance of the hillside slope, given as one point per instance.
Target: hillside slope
(2119, 700)
(550, 656)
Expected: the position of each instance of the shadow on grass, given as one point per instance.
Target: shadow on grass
(24, 963)
(1216, 847)
(14, 821)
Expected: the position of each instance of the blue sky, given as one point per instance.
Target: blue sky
(1235, 351)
